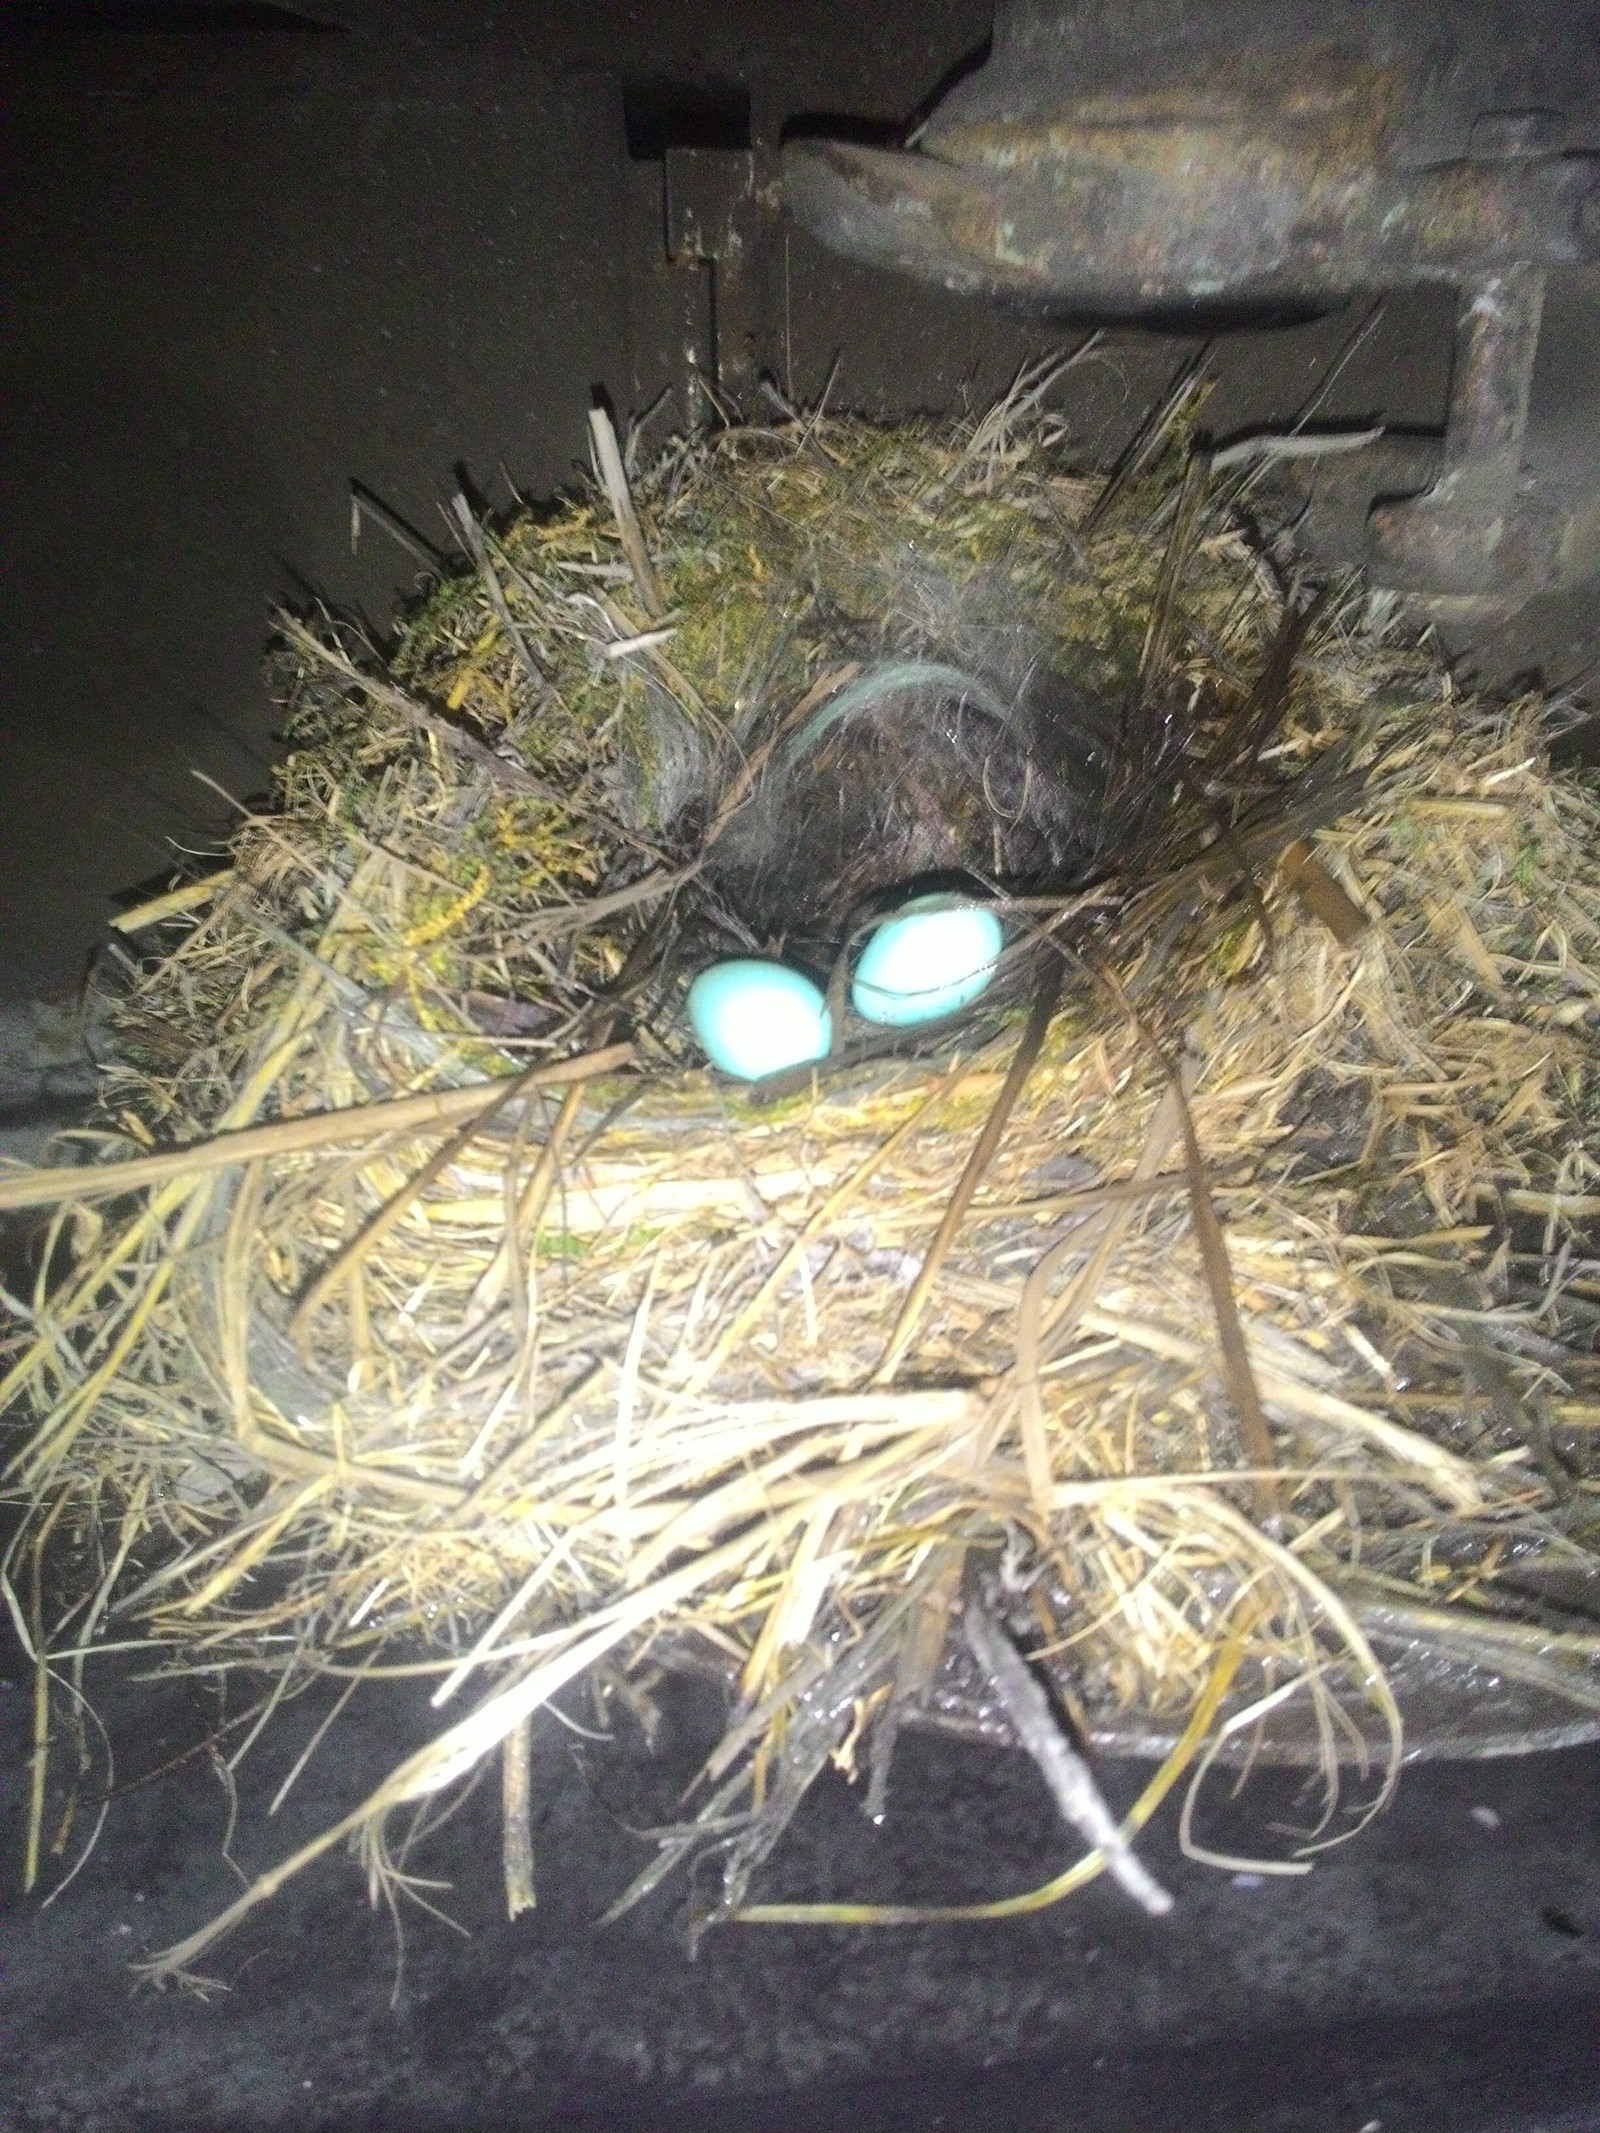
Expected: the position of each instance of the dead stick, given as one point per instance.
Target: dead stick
(1063, 1769)
(516, 1807)
(614, 480)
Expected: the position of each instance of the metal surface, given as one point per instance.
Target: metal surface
(1234, 191)
(1474, 531)
(1247, 158)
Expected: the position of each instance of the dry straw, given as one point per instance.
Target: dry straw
(1198, 1306)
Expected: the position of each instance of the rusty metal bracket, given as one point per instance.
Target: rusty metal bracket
(1474, 532)
(1252, 156)
(1131, 218)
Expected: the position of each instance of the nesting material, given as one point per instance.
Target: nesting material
(1214, 1279)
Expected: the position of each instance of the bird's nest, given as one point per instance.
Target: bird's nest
(1203, 1307)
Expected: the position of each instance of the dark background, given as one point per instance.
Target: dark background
(245, 261)
(245, 265)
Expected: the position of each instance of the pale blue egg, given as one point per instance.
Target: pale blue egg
(929, 959)
(757, 1018)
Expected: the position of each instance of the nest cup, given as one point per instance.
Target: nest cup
(1204, 1310)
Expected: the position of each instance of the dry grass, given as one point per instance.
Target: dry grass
(597, 1358)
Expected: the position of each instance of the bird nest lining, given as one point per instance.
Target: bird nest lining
(1206, 1304)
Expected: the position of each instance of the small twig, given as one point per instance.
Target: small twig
(1148, 439)
(516, 1807)
(472, 533)
(1247, 731)
(364, 505)
(640, 424)
(188, 896)
(40, 1759)
(1063, 1769)
(614, 480)
(810, 439)
(643, 641)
